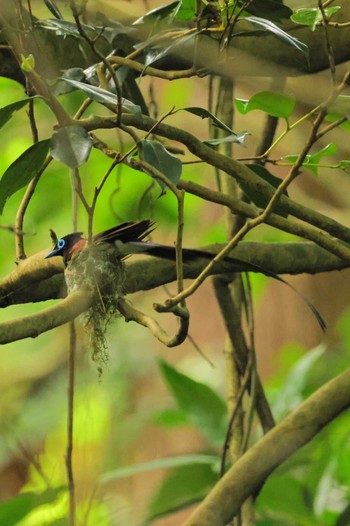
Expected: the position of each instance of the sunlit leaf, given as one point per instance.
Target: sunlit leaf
(154, 54)
(235, 138)
(205, 409)
(7, 111)
(184, 486)
(27, 63)
(279, 33)
(60, 27)
(160, 463)
(14, 510)
(312, 161)
(103, 96)
(185, 10)
(271, 102)
(312, 16)
(159, 13)
(291, 395)
(324, 487)
(22, 170)
(154, 153)
(71, 145)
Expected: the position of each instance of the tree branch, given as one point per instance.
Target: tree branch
(37, 279)
(33, 325)
(236, 169)
(247, 475)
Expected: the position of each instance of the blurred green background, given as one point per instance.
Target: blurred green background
(133, 413)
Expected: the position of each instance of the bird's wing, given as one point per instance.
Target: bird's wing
(130, 231)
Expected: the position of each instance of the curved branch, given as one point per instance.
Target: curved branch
(131, 314)
(247, 475)
(33, 325)
(236, 169)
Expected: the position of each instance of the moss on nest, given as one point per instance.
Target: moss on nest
(98, 268)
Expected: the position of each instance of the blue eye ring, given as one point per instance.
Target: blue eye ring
(61, 243)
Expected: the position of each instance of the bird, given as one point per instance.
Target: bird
(129, 238)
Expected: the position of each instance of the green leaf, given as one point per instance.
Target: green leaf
(312, 16)
(291, 395)
(256, 197)
(184, 486)
(280, 34)
(205, 409)
(205, 114)
(185, 10)
(339, 108)
(237, 138)
(271, 102)
(154, 153)
(60, 27)
(170, 418)
(14, 510)
(7, 111)
(27, 63)
(61, 87)
(268, 9)
(345, 165)
(103, 96)
(154, 54)
(71, 145)
(312, 161)
(160, 463)
(272, 499)
(22, 170)
(159, 13)
(52, 7)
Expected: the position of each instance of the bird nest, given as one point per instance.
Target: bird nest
(99, 269)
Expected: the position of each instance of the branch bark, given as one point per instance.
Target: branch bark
(247, 475)
(37, 279)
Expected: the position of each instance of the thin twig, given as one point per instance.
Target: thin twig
(70, 422)
(20, 252)
(243, 388)
(100, 56)
(329, 47)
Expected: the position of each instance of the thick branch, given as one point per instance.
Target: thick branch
(37, 279)
(236, 169)
(35, 324)
(248, 474)
(258, 55)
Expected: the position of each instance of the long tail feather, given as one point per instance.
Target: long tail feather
(132, 234)
(167, 252)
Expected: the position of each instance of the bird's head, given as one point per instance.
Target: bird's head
(67, 246)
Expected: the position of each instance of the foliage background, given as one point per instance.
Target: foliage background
(128, 416)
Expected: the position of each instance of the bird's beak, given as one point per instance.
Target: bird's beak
(52, 254)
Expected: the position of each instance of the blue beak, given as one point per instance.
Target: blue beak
(53, 253)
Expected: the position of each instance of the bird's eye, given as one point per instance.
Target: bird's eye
(61, 243)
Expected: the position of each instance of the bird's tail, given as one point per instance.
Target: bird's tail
(129, 236)
(188, 255)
